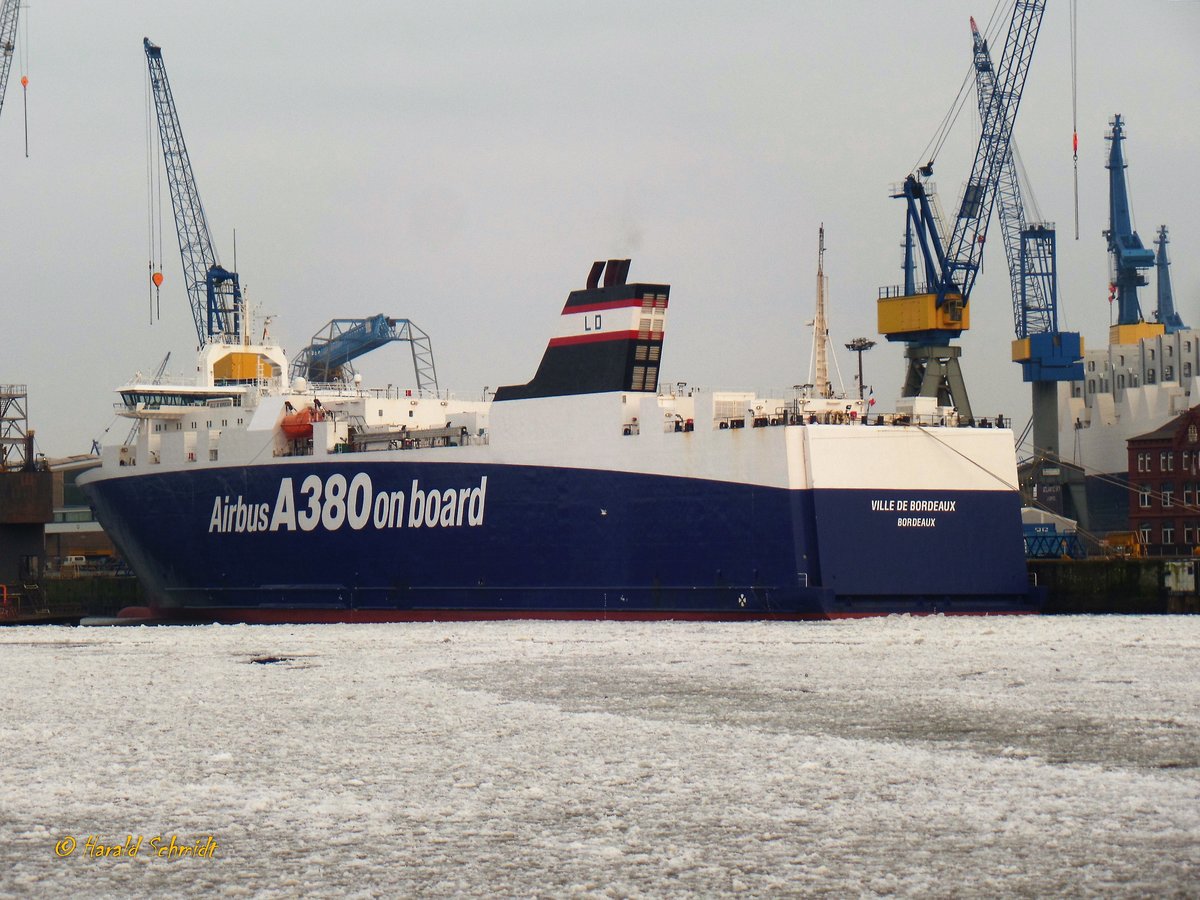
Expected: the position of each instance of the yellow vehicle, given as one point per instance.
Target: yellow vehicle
(1124, 543)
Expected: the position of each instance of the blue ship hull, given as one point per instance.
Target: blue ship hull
(344, 539)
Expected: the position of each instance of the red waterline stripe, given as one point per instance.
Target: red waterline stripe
(369, 616)
(365, 616)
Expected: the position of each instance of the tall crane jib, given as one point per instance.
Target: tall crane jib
(8, 42)
(1166, 297)
(1045, 353)
(214, 292)
(927, 316)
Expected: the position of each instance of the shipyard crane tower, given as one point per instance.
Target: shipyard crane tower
(926, 315)
(214, 292)
(1046, 354)
(1127, 254)
(1166, 297)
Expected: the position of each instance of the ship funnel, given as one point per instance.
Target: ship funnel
(610, 339)
(618, 270)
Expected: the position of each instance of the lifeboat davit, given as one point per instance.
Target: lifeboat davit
(299, 424)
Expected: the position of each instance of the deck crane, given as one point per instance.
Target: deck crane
(927, 316)
(1046, 354)
(1127, 253)
(1166, 298)
(214, 292)
(8, 42)
(328, 356)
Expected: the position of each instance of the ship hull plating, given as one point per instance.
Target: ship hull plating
(344, 539)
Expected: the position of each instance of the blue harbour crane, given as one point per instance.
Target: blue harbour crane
(1128, 255)
(928, 314)
(1166, 313)
(1046, 354)
(9, 15)
(214, 292)
(329, 355)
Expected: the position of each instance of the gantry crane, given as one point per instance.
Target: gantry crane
(1046, 354)
(1127, 254)
(213, 291)
(927, 316)
(328, 357)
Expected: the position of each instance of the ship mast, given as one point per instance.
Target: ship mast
(821, 383)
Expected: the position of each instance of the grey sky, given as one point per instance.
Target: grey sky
(461, 164)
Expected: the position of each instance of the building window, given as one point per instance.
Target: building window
(1170, 461)
(1145, 532)
(1187, 493)
(1152, 353)
(1149, 376)
(1188, 533)
(1120, 381)
(1168, 496)
(1170, 350)
(1162, 460)
(1091, 365)
(1144, 496)
(1168, 532)
(1091, 385)
(1141, 467)
(1168, 371)
(1192, 433)
(1187, 370)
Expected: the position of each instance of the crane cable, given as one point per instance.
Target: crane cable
(25, 80)
(153, 204)
(942, 133)
(1075, 110)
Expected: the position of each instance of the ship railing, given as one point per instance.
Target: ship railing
(361, 439)
(888, 291)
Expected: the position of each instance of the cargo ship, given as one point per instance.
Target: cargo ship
(590, 492)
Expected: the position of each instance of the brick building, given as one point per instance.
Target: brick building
(1164, 472)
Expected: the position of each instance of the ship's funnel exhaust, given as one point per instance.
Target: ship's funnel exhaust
(617, 272)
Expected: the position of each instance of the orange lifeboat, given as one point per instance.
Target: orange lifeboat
(299, 424)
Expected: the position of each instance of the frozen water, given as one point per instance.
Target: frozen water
(910, 756)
